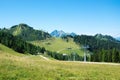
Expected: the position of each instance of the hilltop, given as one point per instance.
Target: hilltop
(27, 33)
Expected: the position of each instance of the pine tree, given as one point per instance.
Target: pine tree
(115, 55)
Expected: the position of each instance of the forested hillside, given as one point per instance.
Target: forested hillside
(18, 44)
(104, 48)
(27, 33)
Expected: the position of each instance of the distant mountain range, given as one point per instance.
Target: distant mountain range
(61, 33)
(28, 33)
(118, 38)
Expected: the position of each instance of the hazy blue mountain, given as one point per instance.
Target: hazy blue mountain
(57, 33)
(60, 33)
(118, 38)
(73, 34)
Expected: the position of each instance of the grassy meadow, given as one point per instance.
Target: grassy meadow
(15, 66)
(59, 45)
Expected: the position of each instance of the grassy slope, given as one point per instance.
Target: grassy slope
(59, 45)
(17, 31)
(14, 66)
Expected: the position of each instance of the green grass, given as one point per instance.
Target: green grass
(15, 66)
(59, 45)
(17, 31)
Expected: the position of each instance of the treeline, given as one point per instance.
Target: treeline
(105, 50)
(66, 57)
(111, 55)
(18, 44)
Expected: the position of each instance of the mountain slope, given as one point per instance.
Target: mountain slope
(60, 45)
(104, 48)
(27, 33)
(18, 44)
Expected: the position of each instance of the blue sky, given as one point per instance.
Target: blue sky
(79, 16)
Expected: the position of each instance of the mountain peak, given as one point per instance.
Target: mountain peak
(61, 33)
(21, 26)
(57, 33)
(28, 33)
